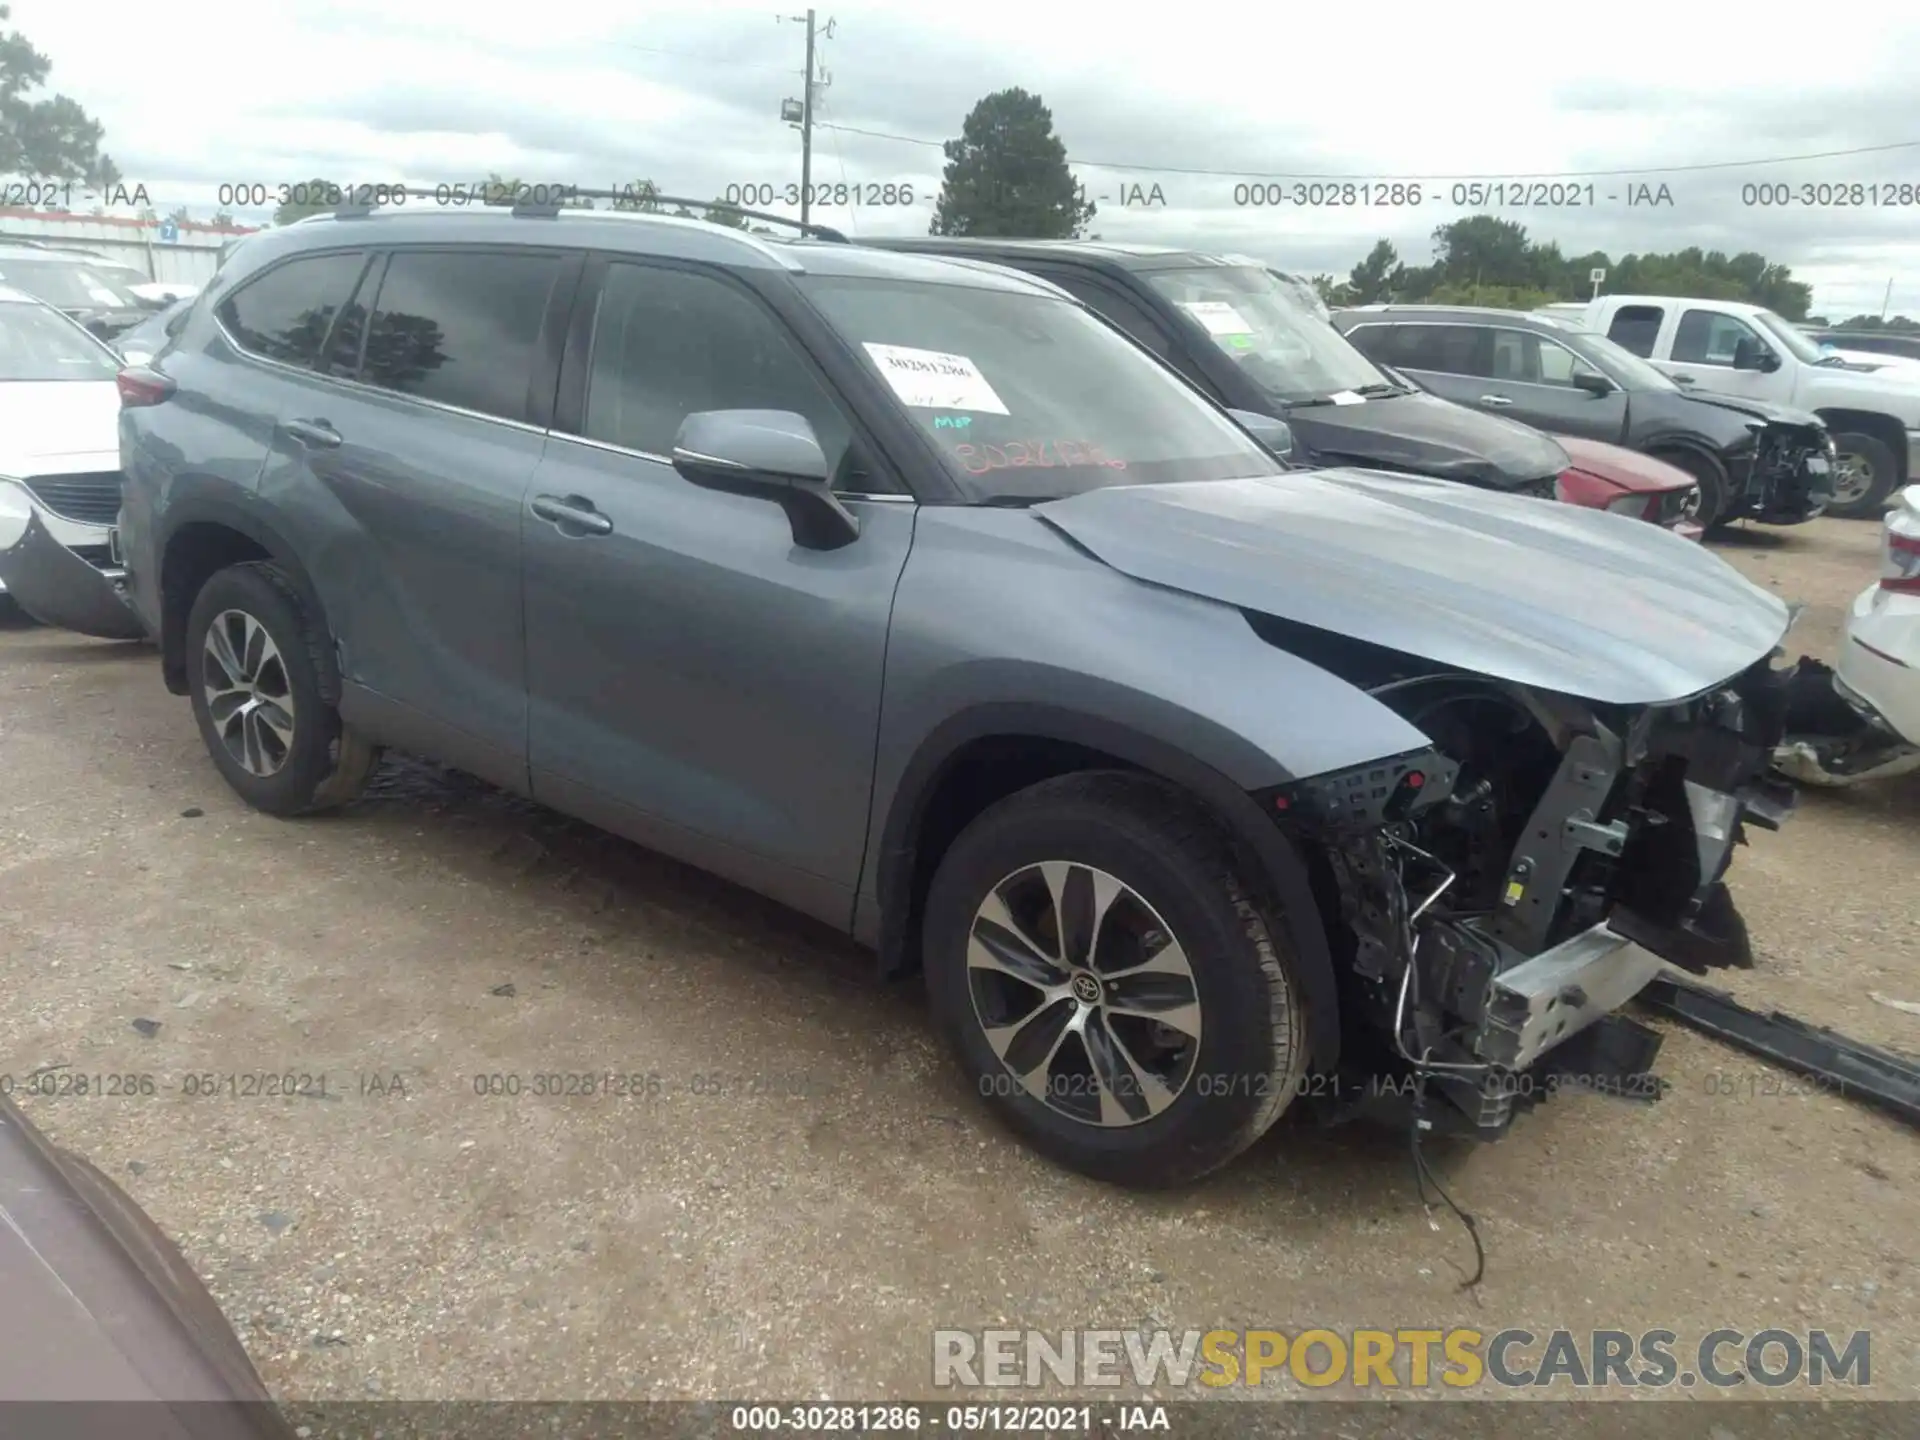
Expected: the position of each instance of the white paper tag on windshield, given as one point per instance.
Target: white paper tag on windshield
(102, 297)
(934, 380)
(1347, 397)
(1219, 317)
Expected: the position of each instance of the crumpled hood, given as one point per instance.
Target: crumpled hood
(1425, 435)
(1600, 606)
(1758, 409)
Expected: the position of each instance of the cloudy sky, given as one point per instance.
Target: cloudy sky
(202, 93)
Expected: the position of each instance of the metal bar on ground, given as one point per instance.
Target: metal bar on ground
(1858, 1070)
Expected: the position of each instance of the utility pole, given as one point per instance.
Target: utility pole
(802, 113)
(1887, 299)
(806, 129)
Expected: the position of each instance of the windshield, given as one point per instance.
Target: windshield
(68, 285)
(38, 344)
(1795, 343)
(1621, 364)
(1031, 398)
(1253, 317)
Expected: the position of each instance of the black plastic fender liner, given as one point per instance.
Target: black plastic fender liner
(1855, 1069)
(58, 588)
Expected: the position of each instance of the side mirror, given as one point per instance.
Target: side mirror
(1275, 435)
(1593, 382)
(1750, 354)
(769, 455)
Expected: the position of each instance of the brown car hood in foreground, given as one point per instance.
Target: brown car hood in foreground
(97, 1305)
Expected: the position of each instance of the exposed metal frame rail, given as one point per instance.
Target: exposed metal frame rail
(353, 209)
(1858, 1071)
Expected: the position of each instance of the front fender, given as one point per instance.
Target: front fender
(1057, 646)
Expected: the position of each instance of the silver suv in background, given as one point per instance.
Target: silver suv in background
(909, 593)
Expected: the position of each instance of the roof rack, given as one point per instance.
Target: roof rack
(356, 209)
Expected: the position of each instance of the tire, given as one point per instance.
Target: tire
(313, 763)
(1711, 476)
(1884, 466)
(1185, 878)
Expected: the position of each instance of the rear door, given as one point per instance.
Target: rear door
(403, 462)
(698, 682)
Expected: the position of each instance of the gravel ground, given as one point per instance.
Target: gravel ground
(804, 1189)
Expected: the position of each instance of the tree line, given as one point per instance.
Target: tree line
(1484, 260)
(1007, 174)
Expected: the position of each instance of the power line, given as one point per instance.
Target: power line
(1632, 172)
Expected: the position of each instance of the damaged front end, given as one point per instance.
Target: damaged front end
(1505, 893)
(76, 585)
(1789, 477)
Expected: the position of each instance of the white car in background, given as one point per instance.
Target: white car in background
(1877, 735)
(59, 454)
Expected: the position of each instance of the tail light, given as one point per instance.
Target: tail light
(1900, 554)
(1641, 507)
(141, 386)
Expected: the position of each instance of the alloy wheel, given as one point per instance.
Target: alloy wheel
(1084, 994)
(247, 692)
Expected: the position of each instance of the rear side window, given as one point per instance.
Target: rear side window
(1636, 327)
(1444, 349)
(286, 313)
(460, 327)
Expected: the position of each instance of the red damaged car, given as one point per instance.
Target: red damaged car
(1611, 477)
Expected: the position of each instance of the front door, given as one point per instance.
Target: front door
(1704, 343)
(1535, 376)
(697, 681)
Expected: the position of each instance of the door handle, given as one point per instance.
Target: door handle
(316, 433)
(1495, 400)
(573, 514)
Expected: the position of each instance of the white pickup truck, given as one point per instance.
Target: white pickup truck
(1731, 348)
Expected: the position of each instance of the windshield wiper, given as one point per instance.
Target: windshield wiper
(1382, 389)
(1014, 502)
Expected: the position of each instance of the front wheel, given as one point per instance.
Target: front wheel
(1711, 476)
(1114, 979)
(253, 657)
(1865, 470)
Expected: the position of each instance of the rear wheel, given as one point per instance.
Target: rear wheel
(1114, 980)
(1865, 470)
(253, 658)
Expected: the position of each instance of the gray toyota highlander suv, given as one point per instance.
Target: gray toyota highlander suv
(907, 592)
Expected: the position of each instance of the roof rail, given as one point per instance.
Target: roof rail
(352, 208)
